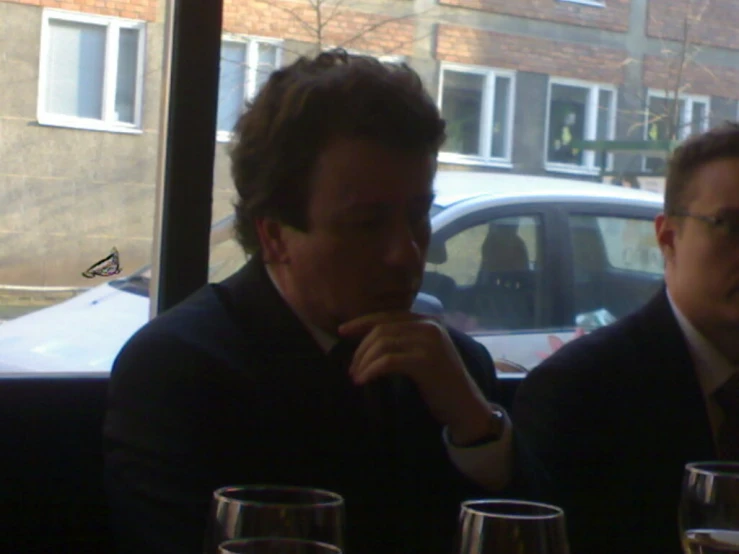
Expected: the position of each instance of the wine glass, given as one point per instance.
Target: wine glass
(709, 508)
(254, 511)
(511, 527)
(272, 545)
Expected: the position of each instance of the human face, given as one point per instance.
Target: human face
(701, 257)
(368, 233)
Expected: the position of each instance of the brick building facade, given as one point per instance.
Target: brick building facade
(515, 80)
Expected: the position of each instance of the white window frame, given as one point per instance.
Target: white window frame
(590, 159)
(487, 116)
(113, 26)
(687, 114)
(251, 44)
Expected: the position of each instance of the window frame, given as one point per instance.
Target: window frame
(689, 99)
(485, 143)
(590, 161)
(112, 26)
(251, 44)
(686, 130)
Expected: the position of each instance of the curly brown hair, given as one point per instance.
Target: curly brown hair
(304, 106)
(719, 143)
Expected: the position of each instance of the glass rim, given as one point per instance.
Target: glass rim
(555, 511)
(330, 499)
(282, 540)
(714, 468)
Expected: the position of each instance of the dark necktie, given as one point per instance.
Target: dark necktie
(727, 397)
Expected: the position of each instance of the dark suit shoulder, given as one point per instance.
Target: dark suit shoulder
(618, 353)
(196, 323)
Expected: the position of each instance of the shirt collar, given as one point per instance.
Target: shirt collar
(326, 341)
(712, 367)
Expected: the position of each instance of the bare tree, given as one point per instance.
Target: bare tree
(350, 24)
(676, 69)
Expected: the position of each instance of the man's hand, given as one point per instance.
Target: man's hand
(420, 348)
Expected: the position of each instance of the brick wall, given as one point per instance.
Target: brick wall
(661, 73)
(376, 33)
(614, 17)
(562, 59)
(132, 9)
(709, 22)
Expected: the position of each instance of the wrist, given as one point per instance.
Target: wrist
(486, 426)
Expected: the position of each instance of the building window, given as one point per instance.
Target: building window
(666, 119)
(246, 64)
(477, 104)
(577, 111)
(91, 71)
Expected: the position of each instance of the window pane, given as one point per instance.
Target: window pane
(77, 197)
(665, 122)
(567, 113)
(500, 117)
(125, 90)
(75, 70)
(699, 122)
(462, 109)
(617, 266)
(231, 84)
(267, 64)
(603, 131)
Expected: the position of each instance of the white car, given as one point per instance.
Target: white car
(521, 263)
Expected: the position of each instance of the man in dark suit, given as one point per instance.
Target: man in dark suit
(615, 415)
(307, 367)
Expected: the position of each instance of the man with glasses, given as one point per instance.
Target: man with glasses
(614, 416)
(308, 367)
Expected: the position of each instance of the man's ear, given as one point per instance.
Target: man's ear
(272, 240)
(665, 228)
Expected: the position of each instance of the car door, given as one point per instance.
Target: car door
(495, 271)
(615, 264)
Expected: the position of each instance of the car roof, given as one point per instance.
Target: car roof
(456, 186)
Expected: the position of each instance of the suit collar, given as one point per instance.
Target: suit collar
(258, 307)
(325, 340)
(712, 367)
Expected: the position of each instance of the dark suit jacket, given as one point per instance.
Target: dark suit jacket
(613, 417)
(230, 388)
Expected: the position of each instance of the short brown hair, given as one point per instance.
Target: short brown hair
(305, 105)
(718, 143)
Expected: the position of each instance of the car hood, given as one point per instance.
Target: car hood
(81, 335)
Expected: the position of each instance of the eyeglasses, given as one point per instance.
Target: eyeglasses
(728, 225)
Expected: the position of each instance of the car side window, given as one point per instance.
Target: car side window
(617, 267)
(487, 276)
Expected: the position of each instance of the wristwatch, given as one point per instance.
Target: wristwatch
(498, 417)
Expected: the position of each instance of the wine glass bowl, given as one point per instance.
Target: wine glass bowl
(511, 527)
(255, 511)
(271, 545)
(709, 508)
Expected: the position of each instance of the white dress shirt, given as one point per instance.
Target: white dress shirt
(488, 464)
(711, 367)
